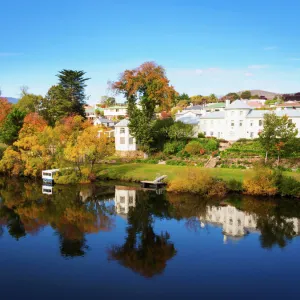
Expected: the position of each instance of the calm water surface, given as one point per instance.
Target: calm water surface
(109, 241)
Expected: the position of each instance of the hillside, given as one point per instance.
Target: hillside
(268, 95)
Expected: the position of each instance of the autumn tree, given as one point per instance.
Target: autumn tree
(5, 108)
(230, 96)
(73, 84)
(148, 86)
(198, 100)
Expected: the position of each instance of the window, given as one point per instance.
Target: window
(211, 133)
(122, 130)
(260, 122)
(232, 123)
(122, 140)
(230, 221)
(122, 199)
(241, 123)
(232, 113)
(241, 113)
(117, 110)
(130, 199)
(130, 140)
(251, 123)
(251, 134)
(204, 132)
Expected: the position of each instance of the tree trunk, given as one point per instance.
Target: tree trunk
(266, 157)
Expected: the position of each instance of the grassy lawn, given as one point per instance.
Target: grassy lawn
(139, 171)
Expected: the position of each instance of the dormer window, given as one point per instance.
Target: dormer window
(122, 130)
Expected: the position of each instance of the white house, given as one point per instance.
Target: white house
(104, 122)
(239, 120)
(124, 141)
(114, 112)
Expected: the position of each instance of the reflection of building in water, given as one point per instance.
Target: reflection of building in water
(237, 223)
(125, 198)
(47, 189)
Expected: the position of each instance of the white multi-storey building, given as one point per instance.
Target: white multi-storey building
(124, 141)
(239, 120)
(115, 112)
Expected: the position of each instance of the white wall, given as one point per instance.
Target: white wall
(126, 137)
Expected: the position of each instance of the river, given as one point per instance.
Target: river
(114, 241)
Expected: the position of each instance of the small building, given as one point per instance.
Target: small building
(104, 122)
(90, 112)
(115, 112)
(124, 141)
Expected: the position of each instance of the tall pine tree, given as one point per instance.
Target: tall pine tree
(73, 83)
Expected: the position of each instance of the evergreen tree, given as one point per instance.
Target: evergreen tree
(73, 83)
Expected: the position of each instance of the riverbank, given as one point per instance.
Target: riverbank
(137, 171)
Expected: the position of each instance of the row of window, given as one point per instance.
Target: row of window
(260, 122)
(122, 140)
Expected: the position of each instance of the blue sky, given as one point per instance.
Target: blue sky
(214, 46)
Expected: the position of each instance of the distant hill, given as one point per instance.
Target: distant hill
(268, 95)
(11, 99)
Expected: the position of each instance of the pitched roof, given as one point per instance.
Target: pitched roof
(215, 105)
(104, 120)
(279, 113)
(122, 123)
(189, 120)
(214, 115)
(238, 104)
(195, 107)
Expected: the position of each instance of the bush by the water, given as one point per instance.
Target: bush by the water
(198, 182)
(263, 183)
(289, 186)
(234, 185)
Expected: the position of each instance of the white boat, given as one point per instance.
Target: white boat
(48, 175)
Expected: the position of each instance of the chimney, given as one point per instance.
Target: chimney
(227, 102)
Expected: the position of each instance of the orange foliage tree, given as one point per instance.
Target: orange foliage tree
(5, 108)
(148, 86)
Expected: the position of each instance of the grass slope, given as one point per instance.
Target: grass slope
(139, 171)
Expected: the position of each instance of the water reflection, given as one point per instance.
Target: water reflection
(236, 223)
(143, 251)
(74, 212)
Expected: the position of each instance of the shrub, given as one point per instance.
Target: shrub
(173, 147)
(201, 135)
(193, 148)
(263, 183)
(234, 185)
(289, 186)
(212, 145)
(198, 182)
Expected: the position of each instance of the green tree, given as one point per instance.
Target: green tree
(231, 96)
(10, 129)
(278, 135)
(246, 95)
(108, 101)
(213, 98)
(180, 130)
(29, 102)
(55, 105)
(73, 83)
(184, 98)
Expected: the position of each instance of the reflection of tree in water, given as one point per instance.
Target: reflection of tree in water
(24, 210)
(144, 251)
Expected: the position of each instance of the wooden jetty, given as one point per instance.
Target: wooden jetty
(157, 183)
